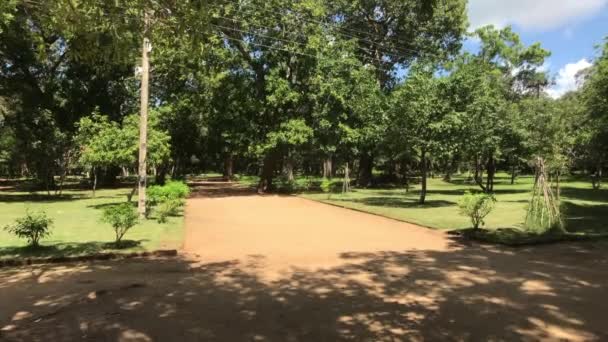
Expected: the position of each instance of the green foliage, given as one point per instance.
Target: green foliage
(167, 208)
(122, 217)
(32, 227)
(76, 226)
(105, 143)
(476, 206)
(171, 190)
(166, 200)
(326, 187)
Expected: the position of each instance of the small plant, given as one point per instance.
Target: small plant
(166, 199)
(476, 206)
(326, 187)
(33, 227)
(122, 217)
(544, 212)
(167, 208)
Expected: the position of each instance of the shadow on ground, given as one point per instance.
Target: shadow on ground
(219, 189)
(397, 202)
(585, 218)
(66, 249)
(468, 293)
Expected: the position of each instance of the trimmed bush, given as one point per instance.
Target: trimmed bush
(476, 206)
(122, 217)
(33, 227)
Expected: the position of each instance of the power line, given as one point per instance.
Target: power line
(340, 29)
(285, 40)
(284, 50)
(367, 37)
(379, 47)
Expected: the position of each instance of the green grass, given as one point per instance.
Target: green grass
(586, 210)
(77, 229)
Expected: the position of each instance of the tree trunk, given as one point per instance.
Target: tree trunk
(491, 170)
(406, 178)
(288, 169)
(267, 174)
(557, 186)
(132, 193)
(513, 173)
(327, 168)
(346, 181)
(424, 171)
(366, 165)
(478, 174)
(143, 120)
(228, 172)
(161, 174)
(94, 180)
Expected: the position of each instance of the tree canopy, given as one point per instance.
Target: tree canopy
(276, 88)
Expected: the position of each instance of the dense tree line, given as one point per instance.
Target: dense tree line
(279, 88)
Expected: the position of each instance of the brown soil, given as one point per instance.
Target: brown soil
(270, 268)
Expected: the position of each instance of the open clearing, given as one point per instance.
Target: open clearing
(267, 268)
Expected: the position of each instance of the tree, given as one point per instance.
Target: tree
(422, 119)
(394, 34)
(486, 86)
(595, 93)
(104, 143)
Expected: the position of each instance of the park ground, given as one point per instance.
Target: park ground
(283, 268)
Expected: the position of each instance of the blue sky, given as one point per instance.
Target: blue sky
(570, 29)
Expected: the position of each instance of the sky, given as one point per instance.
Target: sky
(570, 29)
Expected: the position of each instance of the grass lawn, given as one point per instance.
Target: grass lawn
(77, 229)
(586, 210)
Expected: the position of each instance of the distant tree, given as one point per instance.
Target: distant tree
(595, 94)
(104, 143)
(422, 119)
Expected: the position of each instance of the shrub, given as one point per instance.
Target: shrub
(33, 227)
(326, 187)
(167, 208)
(169, 196)
(121, 217)
(476, 206)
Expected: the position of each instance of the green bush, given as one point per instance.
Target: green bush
(121, 217)
(476, 206)
(170, 195)
(171, 190)
(326, 186)
(33, 227)
(167, 208)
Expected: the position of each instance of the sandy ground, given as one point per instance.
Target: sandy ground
(269, 268)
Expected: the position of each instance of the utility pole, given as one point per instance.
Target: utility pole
(143, 119)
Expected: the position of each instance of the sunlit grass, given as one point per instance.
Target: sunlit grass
(586, 210)
(77, 228)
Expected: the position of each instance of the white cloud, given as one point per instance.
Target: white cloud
(566, 78)
(532, 14)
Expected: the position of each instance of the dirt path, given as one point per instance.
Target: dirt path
(286, 269)
(286, 232)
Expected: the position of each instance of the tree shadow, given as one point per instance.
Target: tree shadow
(469, 293)
(111, 204)
(20, 197)
(396, 202)
(460, 192)
(583, 218)
(591, 195)
(219, 189)
(68, 249)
